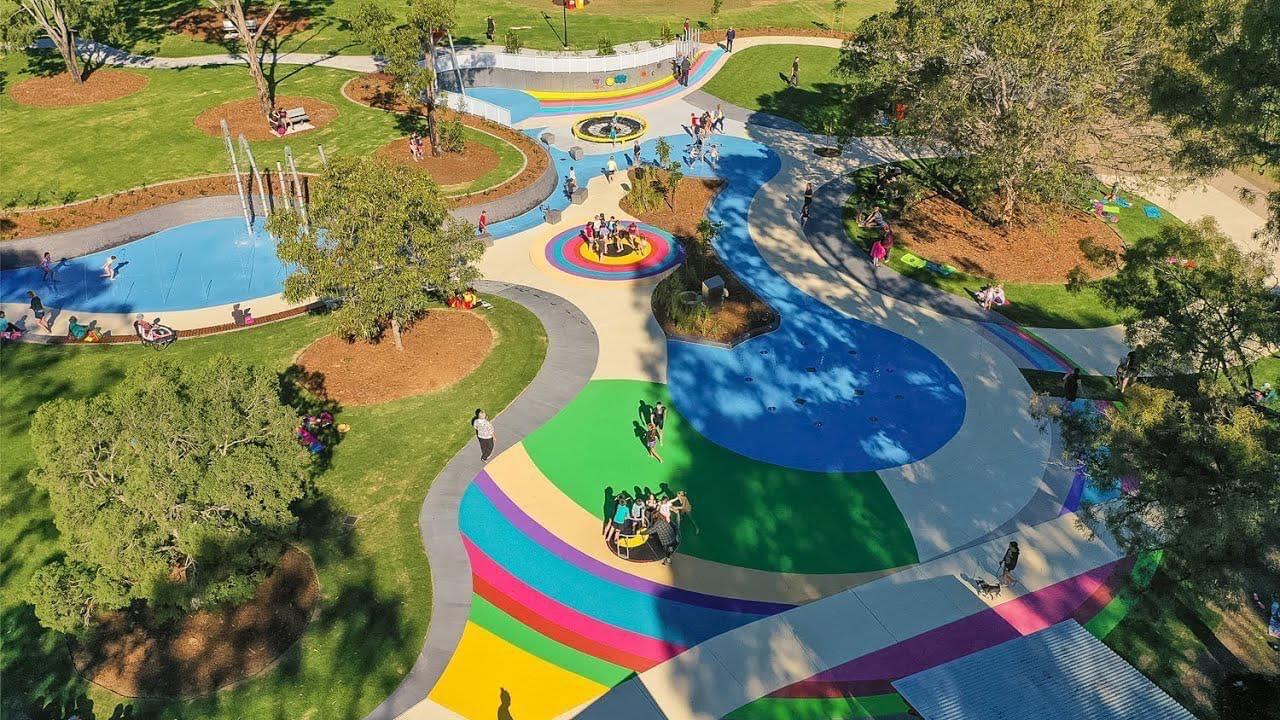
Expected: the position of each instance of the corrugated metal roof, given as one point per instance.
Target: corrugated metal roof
(1059, 673)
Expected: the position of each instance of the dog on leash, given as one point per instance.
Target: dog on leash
(987, 590)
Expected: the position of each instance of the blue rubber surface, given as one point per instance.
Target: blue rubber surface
(566, 583)
(206, 263)
(521, 104)
(824, 392)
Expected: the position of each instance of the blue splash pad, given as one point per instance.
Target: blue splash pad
(824, 392)
(202, 264)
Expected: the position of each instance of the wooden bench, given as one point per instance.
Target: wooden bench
(229, 31)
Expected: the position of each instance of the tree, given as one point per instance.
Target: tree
(1200, 304)
(1219, 87)
(379, 237)
(234, 11)
(1205, 469)
(173, 488)
(837, 9)
(62, 21)
(1033, 95)
(409, 50)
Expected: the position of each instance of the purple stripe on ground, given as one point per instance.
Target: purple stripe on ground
(1072, 501)
(975, 632)
(1035, 353)
(543, 537)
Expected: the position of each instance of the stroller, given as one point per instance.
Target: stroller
(153, 334)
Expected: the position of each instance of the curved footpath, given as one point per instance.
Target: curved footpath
(572, 350)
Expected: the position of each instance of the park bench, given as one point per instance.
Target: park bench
(297, 120)
(229, 31)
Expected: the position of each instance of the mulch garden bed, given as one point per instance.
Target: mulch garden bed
(206, 650)
(375, 90)
(1042, 247)
(29, 223)
(243, 117)
(439, 350)
(55, 91)
(742, 313)
(451, 168)
(205, 24)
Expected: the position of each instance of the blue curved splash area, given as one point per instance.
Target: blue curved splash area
(519, 103)
(203, 264)
(823, 392)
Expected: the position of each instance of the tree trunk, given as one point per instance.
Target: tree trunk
(49, 16)
(1008, 199)
(433, 131)
(395, 334)
(234, 11)
(67, 48)
(266, 99)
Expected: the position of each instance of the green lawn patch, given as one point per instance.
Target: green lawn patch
(756, 79)
(621, 22)
(751, 514)
(375, 582)
(51, 156)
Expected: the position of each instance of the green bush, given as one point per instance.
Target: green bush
(604, 46)
(645, 193)
(512, 44)
(452, 135)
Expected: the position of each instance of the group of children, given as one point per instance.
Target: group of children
(657, 518)
(416, 147)
(610, 237)
(701, 127)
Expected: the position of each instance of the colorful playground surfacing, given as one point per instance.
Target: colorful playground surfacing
(652, 252)
(187, 267)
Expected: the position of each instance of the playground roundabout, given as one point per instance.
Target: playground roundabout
(617, 127)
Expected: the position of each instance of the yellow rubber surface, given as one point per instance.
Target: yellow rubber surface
(487, 675)
(594, 94)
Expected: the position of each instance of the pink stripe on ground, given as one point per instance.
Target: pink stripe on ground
(1023, 615)
(564, 616)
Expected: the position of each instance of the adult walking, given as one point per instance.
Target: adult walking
(729, 36)
(635, 153)
(651, 441)
(659, 417)
(795, 72)
(1008, 563)
(484, 433)
(1071, 384)
(666, 535)
(808, 198)
(489, 27)
(610, 168)
(1127, 371)
(685, 66)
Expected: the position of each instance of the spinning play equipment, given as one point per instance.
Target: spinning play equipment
(595, 128)
(653, 252)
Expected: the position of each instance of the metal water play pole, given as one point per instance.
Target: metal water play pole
(284, 188)
(235, 170)
(453, 54)
(257, 176)
(324, 161)
(297, 185)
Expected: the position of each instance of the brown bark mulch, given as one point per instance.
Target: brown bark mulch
(375, 90)
(29, 223)
(451, 168)
(439, 350)
(206, 650)
(55, 91)
(742, 312)
(243, 116)
(1043, 246)
(205, 24)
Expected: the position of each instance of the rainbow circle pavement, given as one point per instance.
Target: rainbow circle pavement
(656, 253)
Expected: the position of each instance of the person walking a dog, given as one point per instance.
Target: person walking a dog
(1008, 563)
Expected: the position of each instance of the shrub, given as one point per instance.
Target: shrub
(513, 43)
(452, 135)
(604, 46)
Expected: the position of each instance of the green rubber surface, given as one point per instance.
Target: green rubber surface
(751, 514)
(770, 708)
(492, 618)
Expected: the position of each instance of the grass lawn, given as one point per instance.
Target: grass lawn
(50, 156)
(621, 21)
(1047, 305)
(376, 592)
(756, 79)
(797, 517)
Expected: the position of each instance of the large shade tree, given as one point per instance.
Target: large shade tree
(1199, 304)
(1036, 96)
(408, 50)
(1201, 476)
(174, 488)
(377, 236)
(1219, 88)
(251, 40)
(64, 22)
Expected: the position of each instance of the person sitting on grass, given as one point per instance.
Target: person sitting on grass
(875, 218)
(991, 296)
(8, 331)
